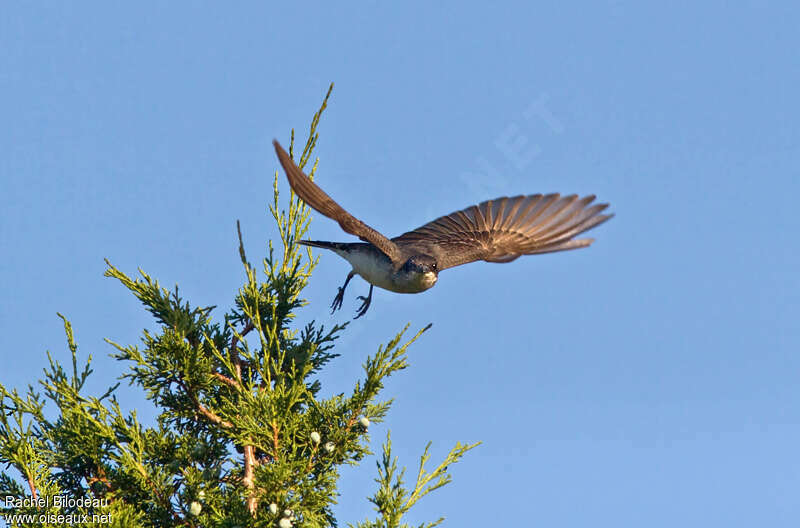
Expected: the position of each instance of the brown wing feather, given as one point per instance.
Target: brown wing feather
(503, 229)
(311, 194)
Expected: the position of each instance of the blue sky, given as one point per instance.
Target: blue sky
(650, 380)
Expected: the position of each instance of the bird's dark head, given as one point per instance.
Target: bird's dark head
(421, 264)
(420, 272)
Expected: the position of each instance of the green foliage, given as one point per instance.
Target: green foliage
(393, 500)
(242, 436)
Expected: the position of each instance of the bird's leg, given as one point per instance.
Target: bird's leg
(339, 299)
(364, 305)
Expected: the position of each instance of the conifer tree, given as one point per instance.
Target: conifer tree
(242, 437)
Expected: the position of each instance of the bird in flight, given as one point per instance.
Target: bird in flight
(499, 230)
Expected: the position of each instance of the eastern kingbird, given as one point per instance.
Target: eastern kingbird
(497, 230)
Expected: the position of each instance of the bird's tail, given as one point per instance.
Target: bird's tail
(333, 246)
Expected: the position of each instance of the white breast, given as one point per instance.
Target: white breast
(375, 271)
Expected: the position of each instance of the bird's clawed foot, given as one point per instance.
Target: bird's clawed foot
(365, 304)
(339, 299)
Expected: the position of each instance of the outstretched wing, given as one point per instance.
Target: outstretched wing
(503, 229)
(311, 194)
